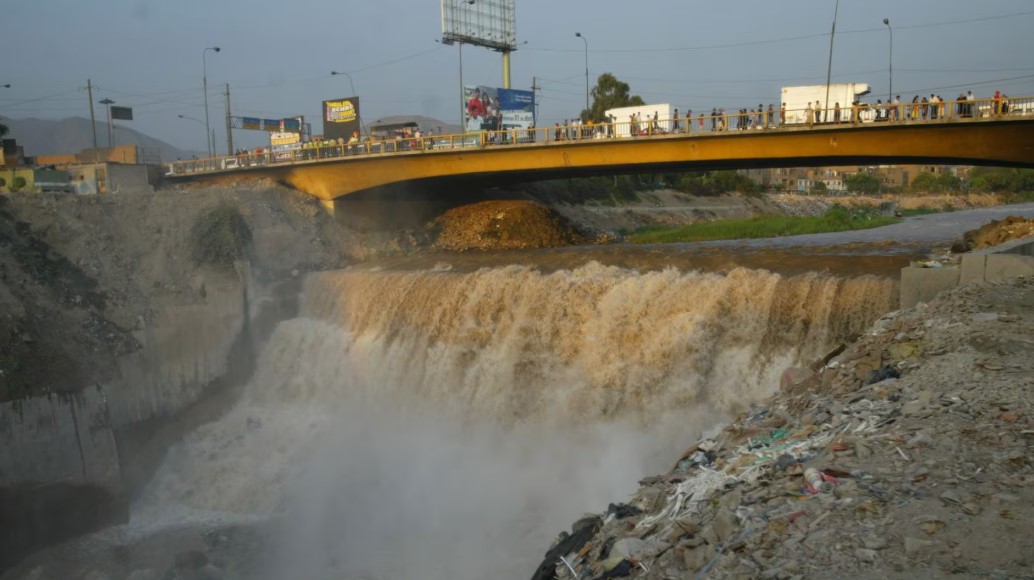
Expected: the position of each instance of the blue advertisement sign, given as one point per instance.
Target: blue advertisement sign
(494, 109)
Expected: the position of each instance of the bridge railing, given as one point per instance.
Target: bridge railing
(701, 124)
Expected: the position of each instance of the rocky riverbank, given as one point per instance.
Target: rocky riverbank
(906, 454)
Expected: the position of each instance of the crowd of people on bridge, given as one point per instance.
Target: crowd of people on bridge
(920, 108)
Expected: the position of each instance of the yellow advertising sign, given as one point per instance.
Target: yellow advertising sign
(284, 138)
(340, 111)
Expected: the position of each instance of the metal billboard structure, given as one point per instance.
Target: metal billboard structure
(488, 23)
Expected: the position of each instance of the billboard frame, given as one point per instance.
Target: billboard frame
(487, 23)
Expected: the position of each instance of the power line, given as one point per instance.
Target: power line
(784, 39)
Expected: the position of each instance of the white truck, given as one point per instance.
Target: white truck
(798, 99)
(622, 116)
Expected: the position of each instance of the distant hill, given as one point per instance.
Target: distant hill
(72, 135)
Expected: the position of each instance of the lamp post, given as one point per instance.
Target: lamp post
(351, 85)
(200, 122)
(890, 63)
(579, 35)
(109, 103)
(204, 80)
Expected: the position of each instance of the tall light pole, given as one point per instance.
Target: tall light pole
(579, 35)
(197, 121)
(829, 69)
(890, 63)
(351, 85)
(108, 103)
(204, 79)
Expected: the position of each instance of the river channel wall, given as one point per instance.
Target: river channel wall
(1009, 260)
(69, 463)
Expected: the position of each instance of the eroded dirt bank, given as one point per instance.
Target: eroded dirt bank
(906, 455)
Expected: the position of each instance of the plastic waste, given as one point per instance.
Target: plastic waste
(818, 482)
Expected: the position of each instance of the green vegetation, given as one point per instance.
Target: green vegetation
(930, 183)
(837, 219)
(862, 183)
(820, 188)
(626, 188)
(610, 93)
(18, 183)
(1002, 180)
(220, 236)
(3, 182)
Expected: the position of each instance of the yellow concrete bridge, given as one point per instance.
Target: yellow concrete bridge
(505, 157)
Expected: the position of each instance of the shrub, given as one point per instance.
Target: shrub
(18, 183)
(220, 236)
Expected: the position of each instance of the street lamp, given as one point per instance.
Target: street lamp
(579, 35)
(204, 79)
(109, 103)
(890, 62)
(358, 114)
(200, 122)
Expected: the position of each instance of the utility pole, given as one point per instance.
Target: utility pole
(229, 125)
(829, 68)
(93, 121)
(535, 99)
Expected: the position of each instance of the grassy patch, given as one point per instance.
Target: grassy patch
(837, 219)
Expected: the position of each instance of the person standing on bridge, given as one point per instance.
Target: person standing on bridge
(782, 114)
(836, 112)
(675, 128)
(809, 115)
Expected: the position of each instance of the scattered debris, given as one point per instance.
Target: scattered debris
(904, 454)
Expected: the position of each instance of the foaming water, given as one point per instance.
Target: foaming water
(444, 425)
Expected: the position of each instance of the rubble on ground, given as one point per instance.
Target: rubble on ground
(994, 233)
(905, 454)
(507, 224)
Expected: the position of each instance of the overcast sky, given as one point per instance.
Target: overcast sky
(277, 56)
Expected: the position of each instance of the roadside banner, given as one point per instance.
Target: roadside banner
(494, 109)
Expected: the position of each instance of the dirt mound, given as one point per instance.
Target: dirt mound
(504, 225)
(994, 233)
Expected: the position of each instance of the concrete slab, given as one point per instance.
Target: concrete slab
(923, 284)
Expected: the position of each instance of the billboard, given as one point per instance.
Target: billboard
(282, 144)
(492, 109)
(488, 23)
(254, 123)
(341, 118)
(122, 113)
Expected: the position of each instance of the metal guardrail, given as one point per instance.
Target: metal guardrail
(700, 125)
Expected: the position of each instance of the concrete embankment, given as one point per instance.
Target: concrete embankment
(921, 283)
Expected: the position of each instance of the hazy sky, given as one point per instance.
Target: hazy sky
(277, 56)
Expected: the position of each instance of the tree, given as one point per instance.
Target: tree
(923, 183)
(610, 93)
(820, 188)
(862, 183)
(3, 130)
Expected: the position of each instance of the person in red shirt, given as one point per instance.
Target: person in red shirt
(475, 107)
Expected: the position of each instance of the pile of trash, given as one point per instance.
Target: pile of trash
(905, 454)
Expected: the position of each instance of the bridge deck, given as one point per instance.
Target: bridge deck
(509, 156)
